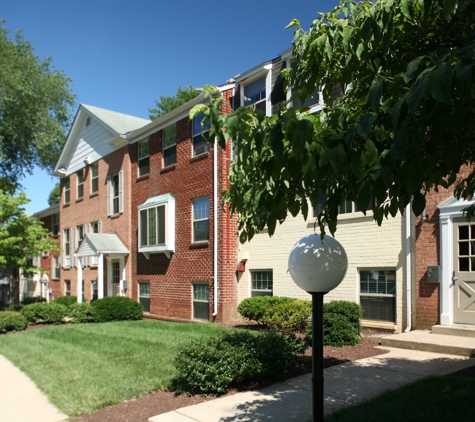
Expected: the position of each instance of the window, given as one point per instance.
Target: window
(201, 219)
(56, 268)
(95, 228)
(115, 203)
(378, 295)
(94, 290)
(144, 295)
(67, 190)
(200, 146)
(255, 94)
(346, 207)
(261, 283)
(88, 121)
(80, 181)
(94, 177)
(55, 224)
(152, 226)
(169, 146)
(80, 234)
(157, 225)
(144, 157)
(67, 248)
(201, 301)
(67, 287)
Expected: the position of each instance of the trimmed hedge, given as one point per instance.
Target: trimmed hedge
(81, 313)
(66, 300)
(116, 308)
(213, 365)
(44, 313)
(34, 299)
(254, 308)
(12, 321)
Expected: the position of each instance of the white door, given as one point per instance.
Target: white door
(115, 277)
(464, 272)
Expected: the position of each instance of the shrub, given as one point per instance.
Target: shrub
(66, 300)
(341, 324)
(81, 313)
(46, 313)
(288, 316)
(116, 308)
(12, 321)
(34, 299)
(254, 308)
(13, 307)
(212, 365)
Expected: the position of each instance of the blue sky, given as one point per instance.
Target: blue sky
(122, 55)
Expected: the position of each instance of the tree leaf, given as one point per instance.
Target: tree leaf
(450, 8)
(440, 83)
(374, 95)
(418, 203)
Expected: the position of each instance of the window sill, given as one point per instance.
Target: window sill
(79, 200)
(94, 194)
(168, 169)
(66, 205)
(200, 157)
(199, 245)
(143, 177)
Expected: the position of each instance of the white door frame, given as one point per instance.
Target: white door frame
(121, 259)
(450, 209)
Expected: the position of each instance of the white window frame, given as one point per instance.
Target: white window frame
(55, 223)
(169, 143)
(67, 247)
(80, 184)
(393, 296)
(199, 219)
(198, 135)
(253, 77)
(143, 158)
(67, 190)
(111, 196)
(200, 301)
(144, 296)
(56, 268)
(261, 292)
(95, 177)
(168, 247)
(67, 287)
(95, 258)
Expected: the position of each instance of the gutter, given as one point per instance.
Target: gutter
(408, 269)
(215, 213)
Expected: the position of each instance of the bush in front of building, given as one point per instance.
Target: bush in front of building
(213, 365)
(12, 321)
(34, 299)
(255, 308)
(66, 300)
(289, 316)
(44, 313)
(81, 313)
(341, 324)
(116, 308)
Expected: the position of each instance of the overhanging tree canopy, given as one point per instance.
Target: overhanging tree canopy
(405, 124)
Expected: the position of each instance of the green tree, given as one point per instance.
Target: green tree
(405, 124)
(21, 236)
(169, 103)
(35, 110)
(54, 195)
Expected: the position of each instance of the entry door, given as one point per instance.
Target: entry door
(464, 273)
(115, 280)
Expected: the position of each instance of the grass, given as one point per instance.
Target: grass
(434, 399)
(85, 367)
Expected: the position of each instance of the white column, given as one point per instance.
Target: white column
(100, 277)
(446, 270)
(124, 275)
(79, 285)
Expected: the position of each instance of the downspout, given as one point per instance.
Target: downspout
(408, 269)
(215, 213)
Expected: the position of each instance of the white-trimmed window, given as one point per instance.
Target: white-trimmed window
(255, 94)
(144, 295)
(378, 294)
(152, 226)
(201, 219)
(81, 234)
(67, 287)
(55, 223)
(67, 190)
(201, 301)
(56, 268)
(67, 247)
(157, 225)
(95, 228)
(312, 100)
(347, 207)
(169, 146)
(115, 186)
(144, 157)
(200, 135)
(80, 183)
(94, 290)
(261, 283)
(94, 177)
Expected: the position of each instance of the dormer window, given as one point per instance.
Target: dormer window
(255, 94)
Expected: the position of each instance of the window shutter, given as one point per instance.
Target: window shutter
(121, 191)
(72, 247)
(109, 196)
(62, 246)
(87, 259)
(100, 226)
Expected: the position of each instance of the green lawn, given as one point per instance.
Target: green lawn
(434, 399)
(82, 368)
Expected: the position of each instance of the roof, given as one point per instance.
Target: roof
(118, 122)
(101, 243)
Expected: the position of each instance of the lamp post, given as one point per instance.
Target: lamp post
(45, 281)
(317, 266)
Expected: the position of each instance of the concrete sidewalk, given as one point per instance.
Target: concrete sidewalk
(20, 398)
(344, 385)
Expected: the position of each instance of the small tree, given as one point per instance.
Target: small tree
(54, 195)
(169, 103)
